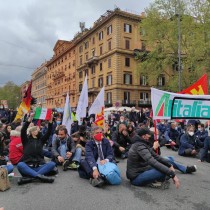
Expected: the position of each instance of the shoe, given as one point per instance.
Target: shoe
(65, 165)
(73, 166)
(53, 172)
(175, 149)
(45, 179)
(97, 182)
(191, 169)
(123, 156)
(25, 180)
(160, 185)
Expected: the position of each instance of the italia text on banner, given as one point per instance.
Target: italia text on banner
(97, 108)
(83, 102)
(167, 105)
(42, 113)
(67, 120)
(200, 87)
(25, 105)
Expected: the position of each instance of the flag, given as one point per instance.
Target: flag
(97, 108)
(83, 101)
(42, 113)
(198, 88)
(67, 120)
(25, 105)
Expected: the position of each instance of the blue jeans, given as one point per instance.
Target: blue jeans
(9, 168)
(176, 165)
(148, 177)
(26, 170)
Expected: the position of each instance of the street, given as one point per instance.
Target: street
(70, 192)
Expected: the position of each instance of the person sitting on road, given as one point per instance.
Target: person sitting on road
(201, 133)
(32, 163)
(64, 150)
(98, 151)
(78, 142)
(204, 155)
(131, 131)
(189, 144)
(121, 141)
(145, 167)
(172, 136)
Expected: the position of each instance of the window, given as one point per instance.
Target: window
(127, 28)
(109, 63)
(109, 45)
(80, 74)
(80, 60)
(127, 97)
(93, 82)
(100, 35)
(127, 79)
(101, 66)
(80, 87)
(93, 70)
(86, 72)
(127, 44)
(101, 50)
(93, 40)
(80, 49)
(100, 82)
(127, 62)
(143, 80)
(73, 62)
(109, 80)
(144, 96)
(109, 30)
(86, 45)
(69, 65)
(93, 52)
(161, 80)
(109, 97)
(86, 57)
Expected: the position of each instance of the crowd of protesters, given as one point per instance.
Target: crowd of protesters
(38, 149)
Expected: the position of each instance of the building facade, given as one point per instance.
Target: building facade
(39, 84)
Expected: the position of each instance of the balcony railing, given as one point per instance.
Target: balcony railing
(58, 75)
(128, 103)
(93, 60)
(108, 103)
(144, 103)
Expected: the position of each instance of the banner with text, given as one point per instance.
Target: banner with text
(167, 105)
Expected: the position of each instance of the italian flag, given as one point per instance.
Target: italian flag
(42, 113)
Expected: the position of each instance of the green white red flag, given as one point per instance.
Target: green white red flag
(42, 113)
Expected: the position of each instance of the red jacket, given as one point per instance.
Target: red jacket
(15, 147)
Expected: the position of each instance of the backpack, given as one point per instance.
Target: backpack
(4, 179)
(110, 172)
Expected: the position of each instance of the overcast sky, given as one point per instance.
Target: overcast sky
(29, 29)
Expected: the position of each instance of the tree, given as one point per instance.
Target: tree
(11, 93)
(159, 29)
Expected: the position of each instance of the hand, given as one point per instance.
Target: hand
(173, 143)
(102, 162)
(68, 154)
(176, 182)
(60, 159)
(31, 117)
(156, 145)
(172, 168)
(95, 174)
(81, 138)
(122, 149)
(194, 152)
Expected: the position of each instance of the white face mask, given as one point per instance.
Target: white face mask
(199, 129)
(191, 133)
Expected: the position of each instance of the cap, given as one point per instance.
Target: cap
(144, 131)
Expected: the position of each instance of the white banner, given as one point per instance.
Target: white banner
(167, 105)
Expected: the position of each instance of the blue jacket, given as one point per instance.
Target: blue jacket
(172, 134)
(186, 142)
(91, 152)
(201, 135)
(162, 128)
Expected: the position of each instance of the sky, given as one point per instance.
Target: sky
(30, 29)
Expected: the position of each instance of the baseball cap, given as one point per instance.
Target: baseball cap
(144, 131)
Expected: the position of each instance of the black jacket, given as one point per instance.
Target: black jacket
(142, 158)
(32, 147)
(120, 140)
(70, 146)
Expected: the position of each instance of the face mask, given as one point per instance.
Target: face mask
(58, 122)
(121, 120)
(191, 133)
(98, 137)
(176, 128)
(162, 123)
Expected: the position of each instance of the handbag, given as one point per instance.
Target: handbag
(4, 179)
(110, 172)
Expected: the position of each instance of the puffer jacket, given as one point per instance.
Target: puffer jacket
(142, 158)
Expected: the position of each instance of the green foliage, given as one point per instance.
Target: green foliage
(11, 93)
(161, 37)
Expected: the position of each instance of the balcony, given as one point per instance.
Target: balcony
(144, 103)
(58, 75)
(128, 103)
(108, 103)
(93, 90)
(92, 61)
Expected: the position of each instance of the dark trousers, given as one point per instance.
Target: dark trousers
(85, 171)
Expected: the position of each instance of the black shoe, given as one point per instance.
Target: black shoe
(25, 180)
(99, 182)
(53, 172)
(45, 179)
(175, 149)
(191, 169)
(66, 164)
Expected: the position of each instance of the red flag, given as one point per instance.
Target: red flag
(198, 88)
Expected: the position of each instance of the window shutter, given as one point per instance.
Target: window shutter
(130, 27)
(124, 27)
(131, 79)
(163, 81)
(106, 80)
(124, 78)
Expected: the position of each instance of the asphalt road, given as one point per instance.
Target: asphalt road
(70, 192)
